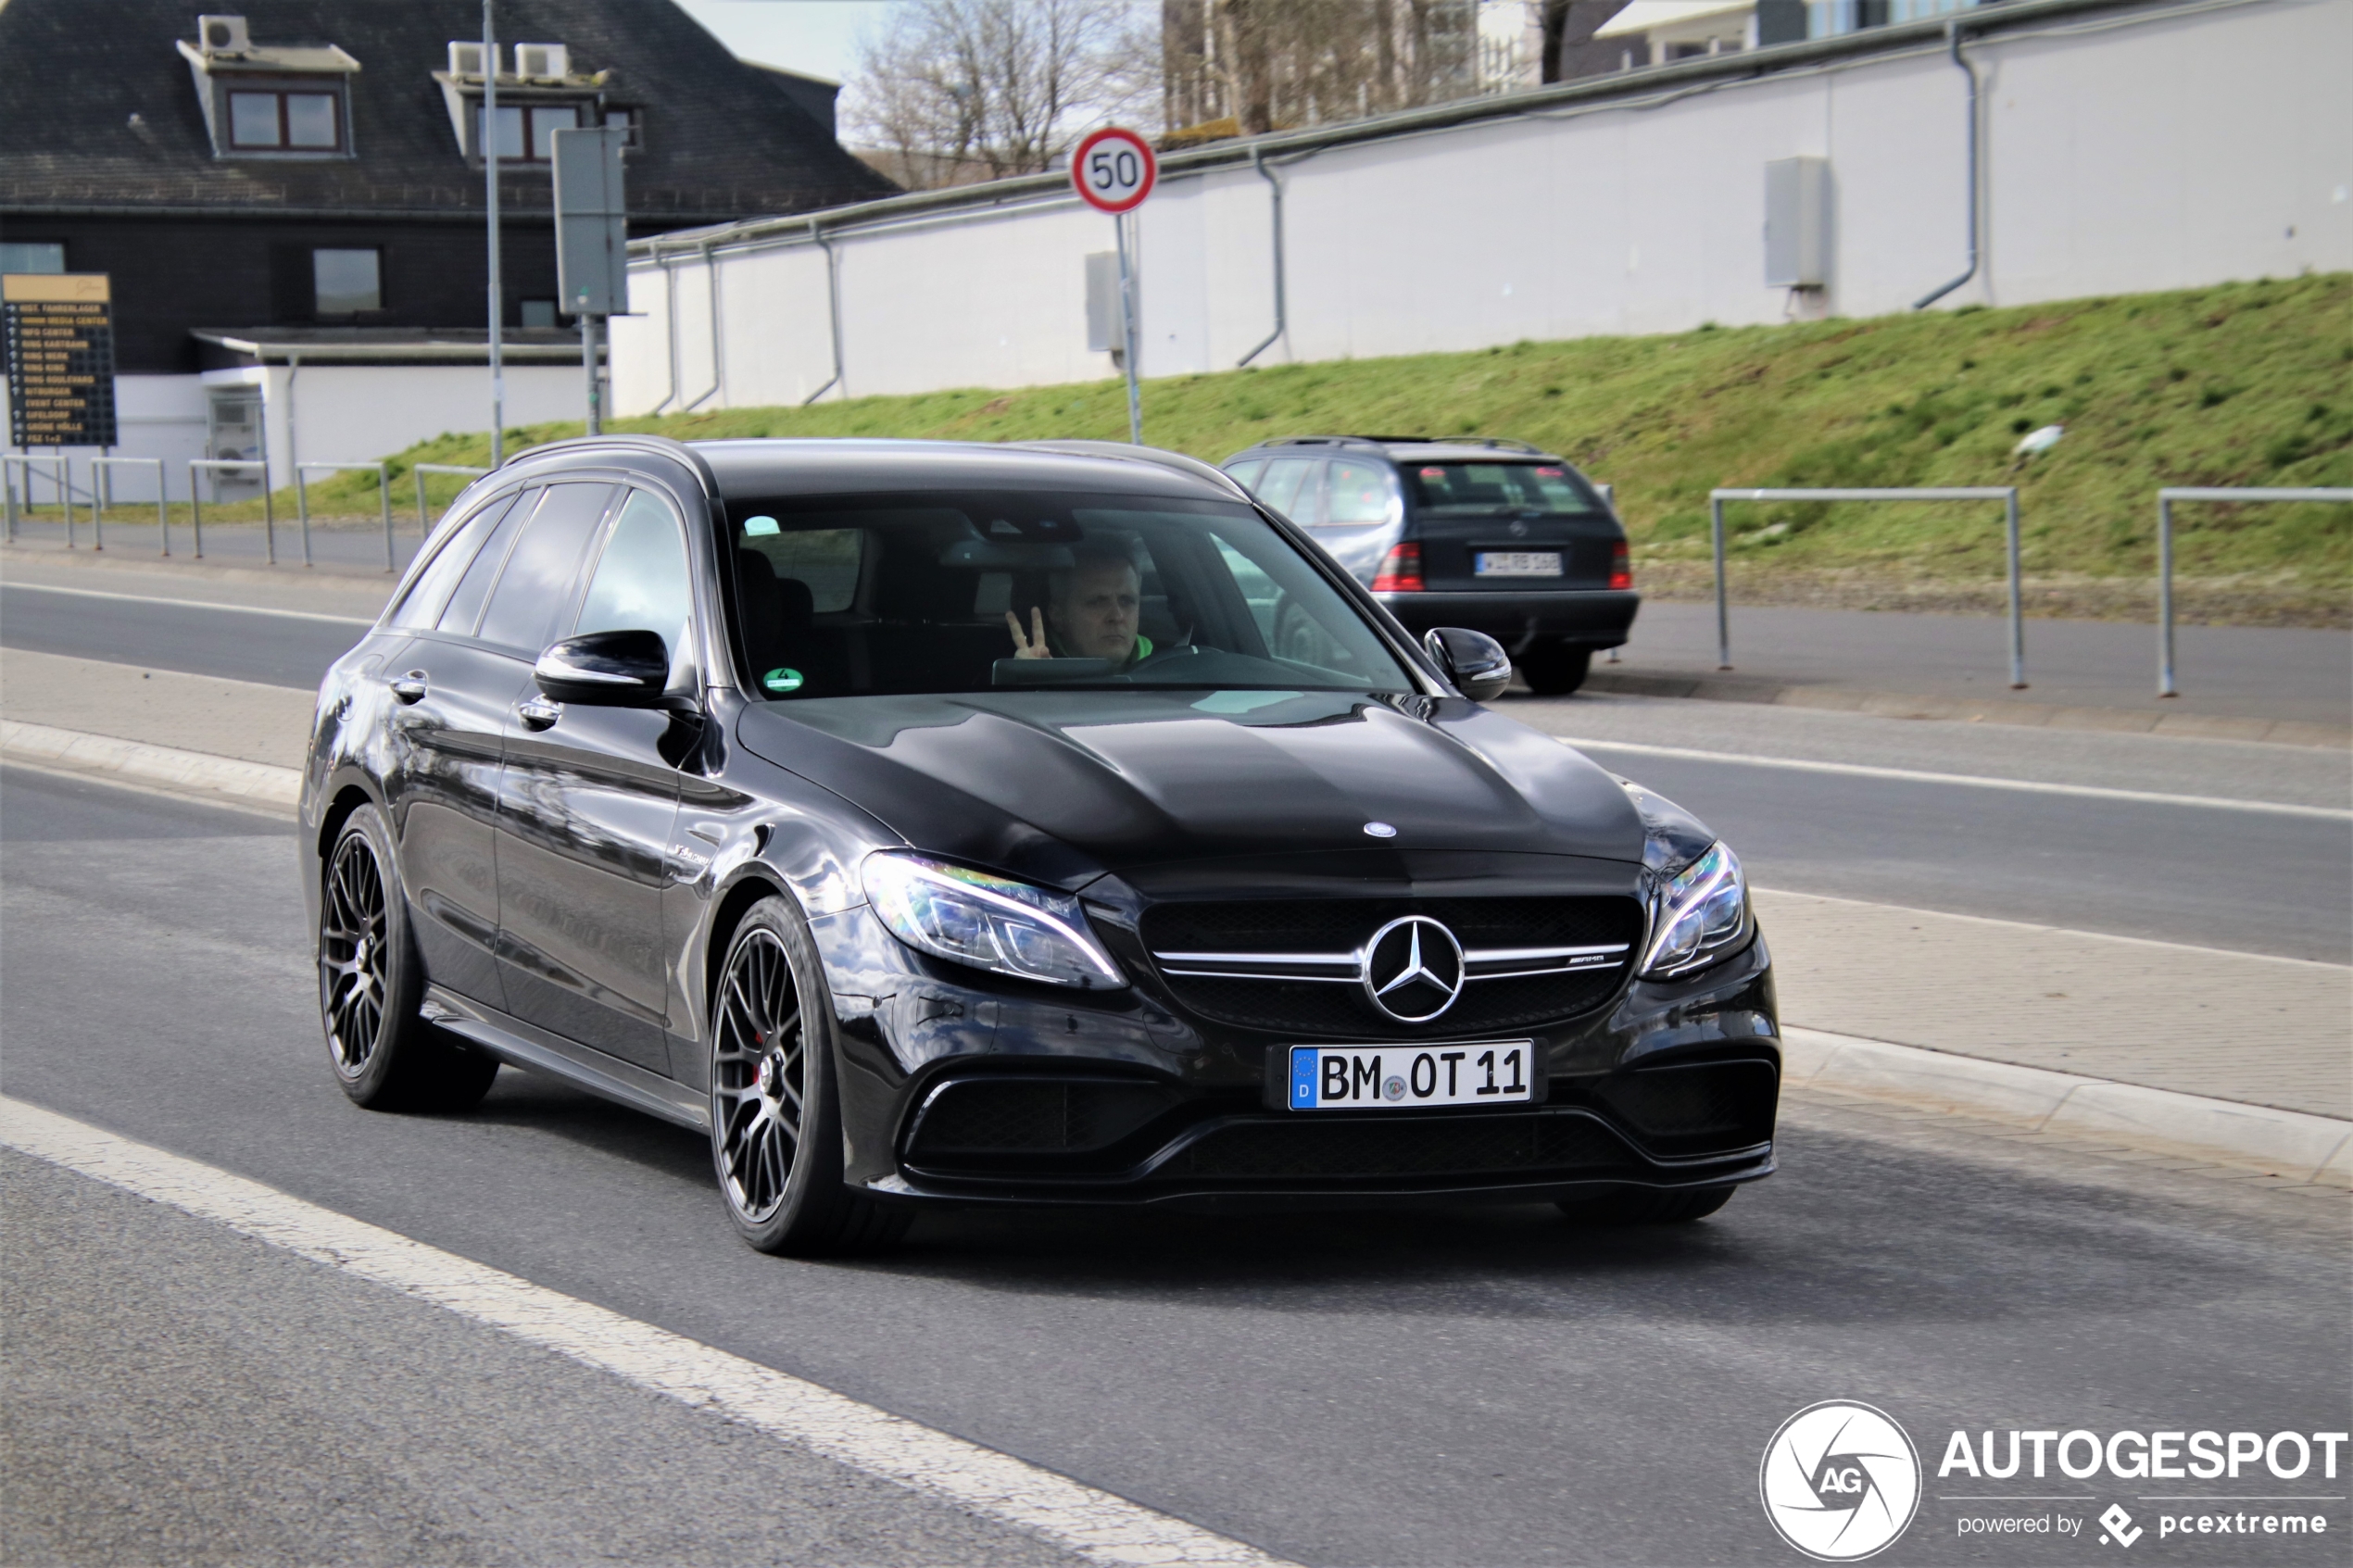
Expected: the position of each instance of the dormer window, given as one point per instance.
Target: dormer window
(269, 101)
(540, 96)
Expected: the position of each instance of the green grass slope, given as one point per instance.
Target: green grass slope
(2240, 384)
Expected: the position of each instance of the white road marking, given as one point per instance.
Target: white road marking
(1974, 780)
(1078, 1518)
(183, 604)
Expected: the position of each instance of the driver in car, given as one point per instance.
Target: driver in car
(1093, 613)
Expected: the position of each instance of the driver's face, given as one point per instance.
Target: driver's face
(1098, 618)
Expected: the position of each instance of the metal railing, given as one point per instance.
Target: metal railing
(425, 522)
(268, 509)
(60, 475)
(101, 495)
(2006, 493)
(384, 494)
(2165, 499)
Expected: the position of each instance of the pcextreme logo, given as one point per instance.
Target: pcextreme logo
(1840, 1481)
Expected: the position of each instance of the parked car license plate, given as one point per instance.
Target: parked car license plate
(1517, 563)
(1404, 1077)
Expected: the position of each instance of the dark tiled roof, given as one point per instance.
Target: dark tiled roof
(721, 139)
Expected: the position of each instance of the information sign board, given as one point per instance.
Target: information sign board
(59, 328)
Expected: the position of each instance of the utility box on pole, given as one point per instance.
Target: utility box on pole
(592, 242)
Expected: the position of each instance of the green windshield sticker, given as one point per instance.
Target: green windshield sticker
(782, 681)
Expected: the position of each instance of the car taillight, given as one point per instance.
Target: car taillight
(1621, 570)
(1400, 570)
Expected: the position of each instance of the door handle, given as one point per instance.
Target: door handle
(538, 713)
(410, 687)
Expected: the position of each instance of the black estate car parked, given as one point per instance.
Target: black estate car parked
(1495, 535)
(943, 823)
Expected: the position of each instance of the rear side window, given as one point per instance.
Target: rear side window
(1360, 491)
(465, 604)
(544, 567)
(1290, 487)
(1466, 489)
(640, 583)
(422, 605)
(1246, 473)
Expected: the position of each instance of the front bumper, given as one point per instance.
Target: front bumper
(957, 1094)
(1600, 618)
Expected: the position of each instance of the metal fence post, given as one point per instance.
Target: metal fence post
(195, 505)
(2018, 608)
(8, 484)
(2164, 686)
(98, 474)
(64, 467)
(384, 494)
(302, 510)
(268, 520)
(1723, 615)
(163, 507)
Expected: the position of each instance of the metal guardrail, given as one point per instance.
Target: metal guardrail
(60, 475)
(384, 494)
(2006, 493)
(2165, 499)
(268, 509)
(420, 470)
(102, 494)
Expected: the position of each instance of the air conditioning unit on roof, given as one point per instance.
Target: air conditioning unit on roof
(222, 35)
(542, 61)
(465, 60)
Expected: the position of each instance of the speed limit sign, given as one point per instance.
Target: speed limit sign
(1113, 169)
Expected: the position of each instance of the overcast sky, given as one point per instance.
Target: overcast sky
(819, 37)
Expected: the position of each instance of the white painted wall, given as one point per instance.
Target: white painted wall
(2123, 151)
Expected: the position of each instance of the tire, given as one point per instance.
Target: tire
(1639, 1206)
(775, 1108)
(1553, 669)
(385, 1054)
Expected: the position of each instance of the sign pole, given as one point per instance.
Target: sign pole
(490, 186)
(1113, 171)
(1127, 332)
(588, 359)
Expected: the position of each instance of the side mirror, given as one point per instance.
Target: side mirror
(1473, 660)
(606, 670)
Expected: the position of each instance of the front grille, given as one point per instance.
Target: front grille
(1016, 1116)
(1696, 1109)
(1535, 1144)
(1340, 1009)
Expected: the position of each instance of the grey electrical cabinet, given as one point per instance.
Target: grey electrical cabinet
(1797, 223)
(1106, 322)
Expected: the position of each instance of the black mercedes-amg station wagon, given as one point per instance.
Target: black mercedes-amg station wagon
(941, 824)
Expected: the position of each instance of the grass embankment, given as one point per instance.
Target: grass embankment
(2241, 385)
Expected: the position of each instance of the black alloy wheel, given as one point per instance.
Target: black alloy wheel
(386, 1056)
(775, 1118)
(1554, 669)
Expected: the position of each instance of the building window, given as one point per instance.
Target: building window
(302, 122)
(345, 283)
(538, 312)
(624, 120)
(31, 256)
(526, 133)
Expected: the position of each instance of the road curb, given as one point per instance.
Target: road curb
(2314, 1151)
(194, 773)
(1918, 704)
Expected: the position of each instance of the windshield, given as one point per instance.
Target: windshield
(1465, 489)
(988, 590)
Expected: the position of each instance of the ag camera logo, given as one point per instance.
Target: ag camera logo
(1840, 1481)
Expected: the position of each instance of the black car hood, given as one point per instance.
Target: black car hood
(1060, 787)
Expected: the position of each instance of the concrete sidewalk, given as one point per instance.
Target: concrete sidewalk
(2238, 683)
(2005, 1020)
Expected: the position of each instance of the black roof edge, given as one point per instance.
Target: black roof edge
(1135, 454)
(1930, 33)
(660, 445)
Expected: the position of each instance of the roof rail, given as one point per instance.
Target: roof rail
(1494, 443)
(1326, 440)
(1135, 454)
(675, 450)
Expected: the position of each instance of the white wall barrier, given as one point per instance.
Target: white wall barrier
(2126, 145)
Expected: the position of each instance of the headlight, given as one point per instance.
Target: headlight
(992, 923)
(1703, 914)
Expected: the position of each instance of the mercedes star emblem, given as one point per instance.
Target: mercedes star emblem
(1412, 968)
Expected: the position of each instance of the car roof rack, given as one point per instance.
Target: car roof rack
(1494, 443)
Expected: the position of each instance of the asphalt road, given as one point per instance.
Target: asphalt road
(2277, 884)
(1476, 1387)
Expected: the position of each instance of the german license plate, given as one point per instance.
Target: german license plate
(1517, 563)
(1407, 1077)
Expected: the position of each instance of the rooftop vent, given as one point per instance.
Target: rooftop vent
(542, 61)
(465, 60)
(223, 35)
